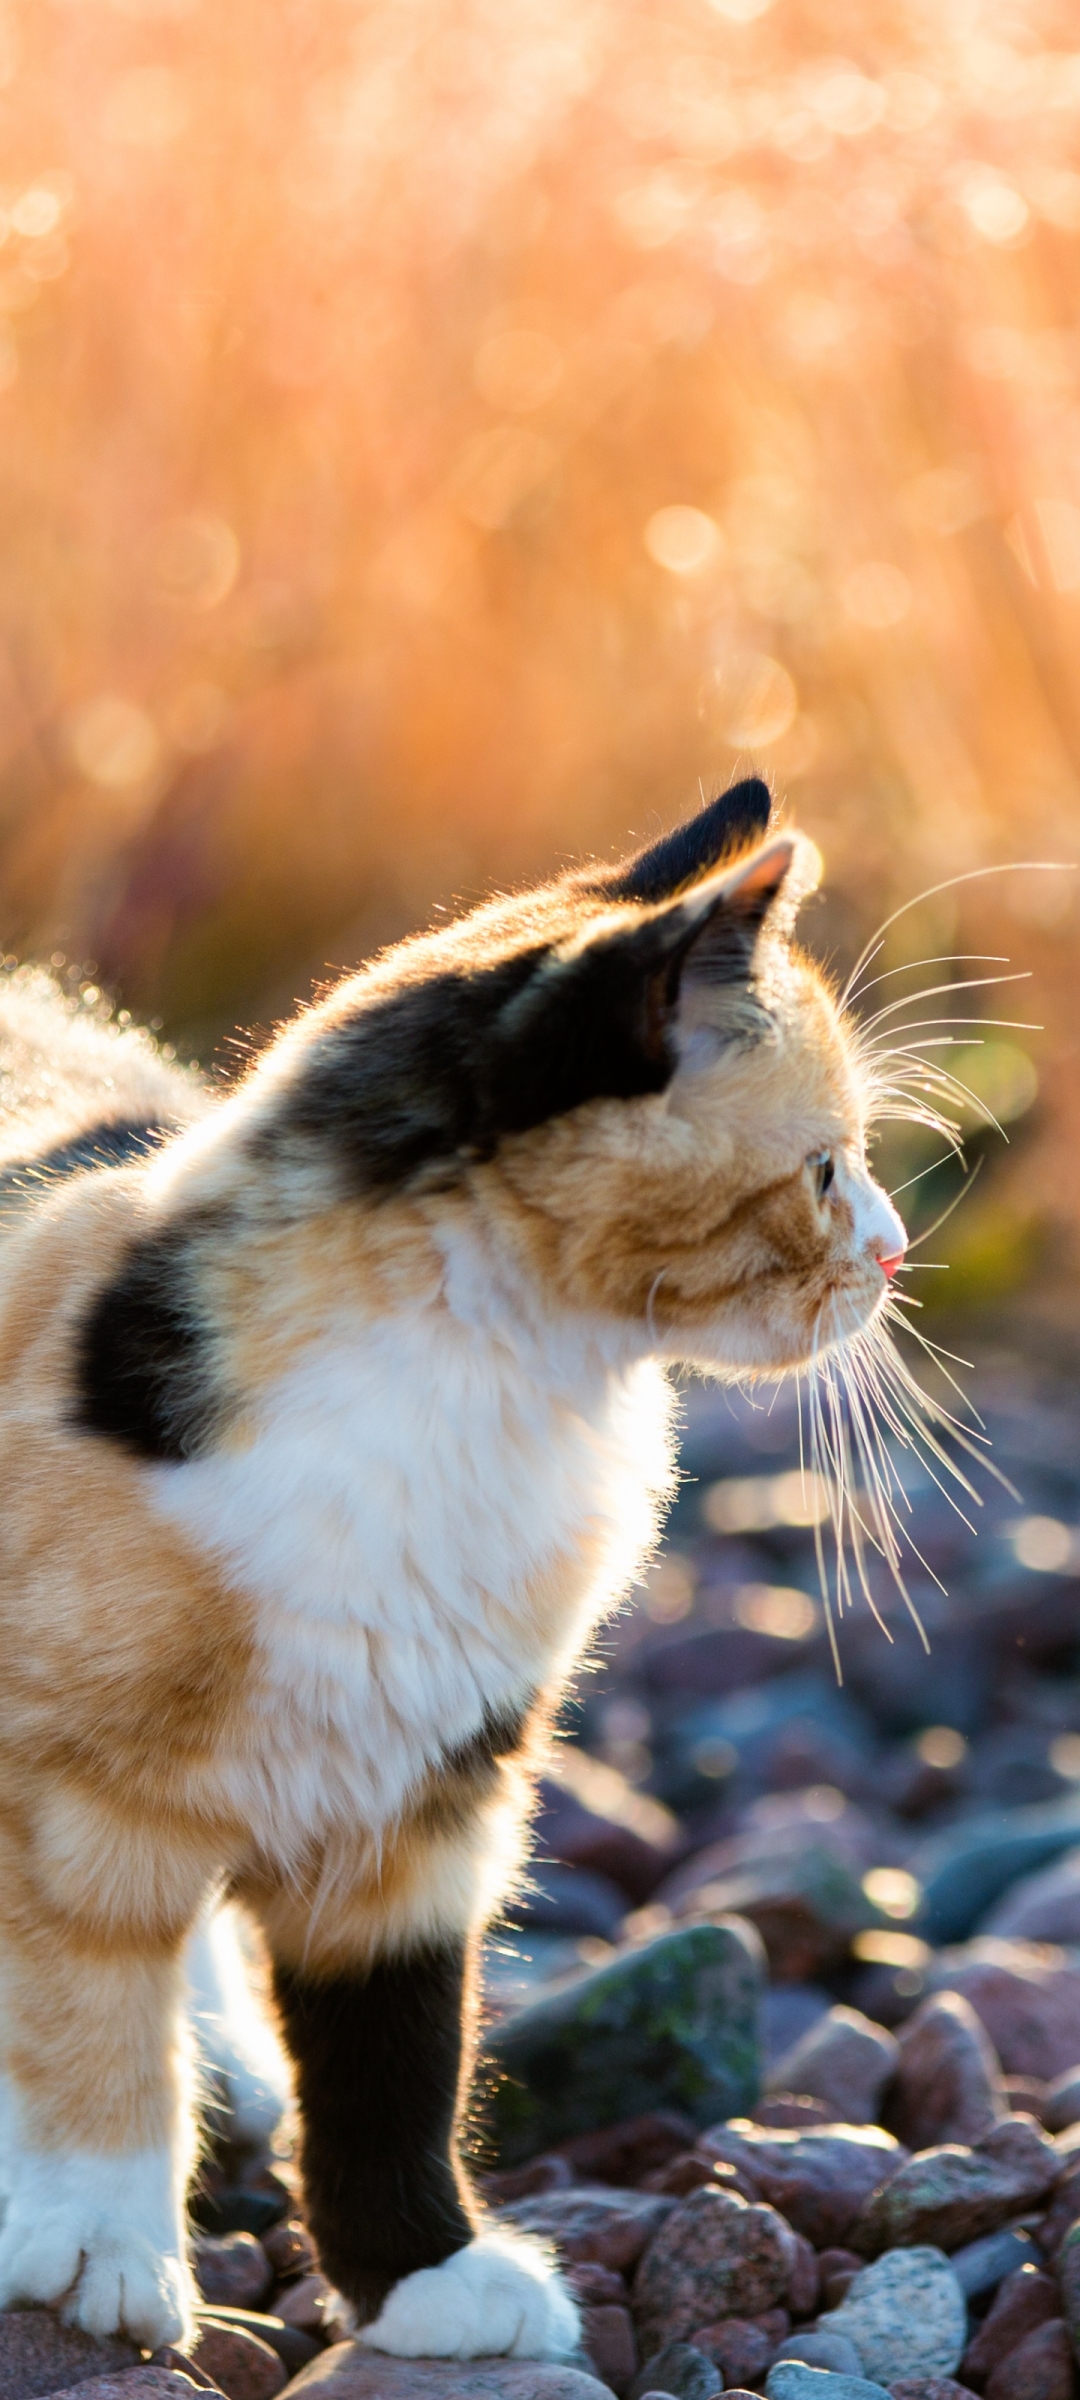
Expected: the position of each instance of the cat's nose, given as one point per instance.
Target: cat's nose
(889, 1265)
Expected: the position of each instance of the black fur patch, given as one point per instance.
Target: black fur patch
(104, 1145)
(735, 821)
(378, 2061)
(142, 1367)
(500, 1733)
(435, 1070)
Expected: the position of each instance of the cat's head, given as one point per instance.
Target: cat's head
(641, 1081)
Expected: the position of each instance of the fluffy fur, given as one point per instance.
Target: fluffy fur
(331, 1423)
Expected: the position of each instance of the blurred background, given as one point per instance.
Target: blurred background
(439, 439)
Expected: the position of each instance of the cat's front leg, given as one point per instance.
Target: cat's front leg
(380, 2056)
(97, 2123)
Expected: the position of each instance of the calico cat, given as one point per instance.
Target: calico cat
(333, 1417)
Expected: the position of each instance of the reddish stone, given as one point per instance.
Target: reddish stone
(170, 2356)
(626, 2153)
(805, 2278)
(607, 2338)
(716, 2256)
(39, 2353)
(1027, 2298)
(1028, 1999)
(1062, 2213)
(923, 2387)
(742, 2350)
(243, 2366)
(950, 2195)
(787, 2110)
(304, 2304)
(588, 2280)
(818, 2180)
(687, 2173)
(351, 2372)
(234, 2269)
(548, 2173)
(1040, 2368)
(947, 2082)
(289, 2249)
(150, 2382)
(591, 2221)
(836, 2268)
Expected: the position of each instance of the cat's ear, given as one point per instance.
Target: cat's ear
(598, 1017)
(734, 822)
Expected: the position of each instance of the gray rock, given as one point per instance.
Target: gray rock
(820, 2346)
(906, 2315)
(949, 2196)
(789, 2380)
(947, 2086)
(673, 2024)
(678, 2369)
(964, 1870)
(715, 2257)
(844, 2060)
(1044, 1907)
(39, 2354)
(980, 2266)
(348, 2372)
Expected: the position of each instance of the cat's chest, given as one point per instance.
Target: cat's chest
(421, 1529)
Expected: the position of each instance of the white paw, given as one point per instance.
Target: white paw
(499, 2297)
(101, 2237)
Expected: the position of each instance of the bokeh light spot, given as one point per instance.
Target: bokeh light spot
(758, 701)
(198, 561)
(1044, 1545)
(994, 207)
(893, 1890)
(146, 109)
(779, 1610)
(114, 742)
(1065, 1756)
(684, 540)
(876, 594)
(941, 1746)
(517, 370)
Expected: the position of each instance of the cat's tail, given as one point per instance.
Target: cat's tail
(78, 1087)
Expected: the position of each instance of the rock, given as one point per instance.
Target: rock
(906, 2315)
(591, 1817)
(844, 2060)
(981, 2266)
(791, 2110)
(244, 2367)
(607, 2338)
(818, 2180)
(292, 2343)
(929, 2387)
(1040, 2368)
(1062, 2213)
(235, 2269)
(350, 2372)
(564, 1899)
(138, 2383)
(821, 2346)
(804, 2281)
(679, 2369)
(170, 2356)
(837, 2269)
(548, 2173)
(742, 2347)
(672, 2024)
(687, 2174)
(789, 2380)
(716, 2256)
(305, 2302)
(1061, 2101)
(788, 2010)
(289, 2249)
(1044, 1907)
(1068, 2275)
(947, 2085)
(1026, 2299)
(627, 2152)
(590, 2222)
(964, 1870)
(1027, 1998)
(240, 2209)
(949, 2196)
(39, 2354)
(806, 1902)
(600, 2286)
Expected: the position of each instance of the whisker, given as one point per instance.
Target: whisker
(1016, 866)
(970, 983)
(948, 958)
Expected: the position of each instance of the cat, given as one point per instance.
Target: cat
(333, 1418)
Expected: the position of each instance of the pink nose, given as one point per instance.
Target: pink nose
(889, 1265)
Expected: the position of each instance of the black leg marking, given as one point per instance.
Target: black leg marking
(378, 2059)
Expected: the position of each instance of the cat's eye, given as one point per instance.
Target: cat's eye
(823, 1171)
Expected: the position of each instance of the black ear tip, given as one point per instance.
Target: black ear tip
(747, 805)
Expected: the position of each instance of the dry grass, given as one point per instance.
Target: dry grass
(434, 435)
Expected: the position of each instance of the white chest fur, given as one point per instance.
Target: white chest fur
(411, 1494)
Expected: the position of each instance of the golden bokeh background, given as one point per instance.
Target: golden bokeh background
(437, 435)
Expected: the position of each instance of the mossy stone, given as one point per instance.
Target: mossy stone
(673, 2024)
